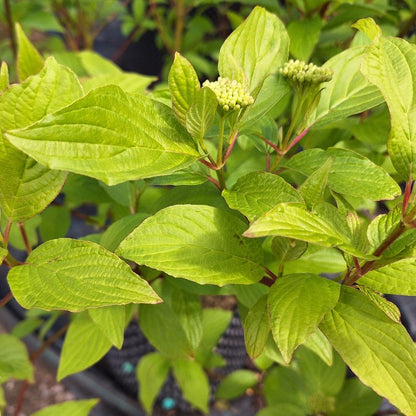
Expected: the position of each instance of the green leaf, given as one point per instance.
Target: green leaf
(14, 359)
(313, 189)
(56, 221)
(112, 321)
(110, 136)
(84, 345)
(75, 275)
(201, 114)
(390, 64)
(319, 378)
(129, 82)
(283, 386)
(193, 382)
(2, 399)
(214, 323)
(260, 45)
(297, 304)
(163, 330)
(272, 352)
(27, 187)
(351, 174)
(256, 328)
(348, 92)
(72, 408)
(235, 384)
(275, 89)
(3, 254)
(287, 249)
(294, 221)
(356, 399)
(27, 326)
(258, 192)
(29, 61)
(196, 174)
(4, 76)
(95, 64)
(397, 278)
(389, 308)
(318, 343)
(183, 85)
(383, 225)
(369, 27)
(119, 230)
(139, 9)
(387, 356)
(248, 295)
(152, 372)
(196, 242)
(188, 310)
(304, 35)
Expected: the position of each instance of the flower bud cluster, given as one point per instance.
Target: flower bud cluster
(300, 72)
(231, 95)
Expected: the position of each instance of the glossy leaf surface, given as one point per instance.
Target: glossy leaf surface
(387, 358)
(297, 304)
(110, 136)
(70, 408)
(75, 275)
(196, 242)
(260, 45)
(27, 187)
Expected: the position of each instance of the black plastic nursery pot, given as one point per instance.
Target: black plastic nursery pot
(113, 379)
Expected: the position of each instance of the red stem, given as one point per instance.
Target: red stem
(297, 139)
(210, 165)
(406, 196)
(20, 398)
(230, 148)
(25, 238)
(7, 233)
(272, 145)
(215, 182)
(6, 299)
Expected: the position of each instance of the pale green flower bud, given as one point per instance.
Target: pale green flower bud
(301, 73)
(231, 94)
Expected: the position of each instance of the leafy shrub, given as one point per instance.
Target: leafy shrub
(262, 184)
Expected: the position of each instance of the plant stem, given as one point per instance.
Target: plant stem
(407, 25)
(406, 196)
(358, 272)
(160, 26)
(272, 145)
(33, 357)
(207, 154)
(179, 24)
(25, 238)
(11, 261)
(292, 125)
(230, 147)
(120, 51)
(220, 171)
(215, 182)
(20, 398)
(36, 354)
(10, 24)
(7, 233)
(6, 299)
